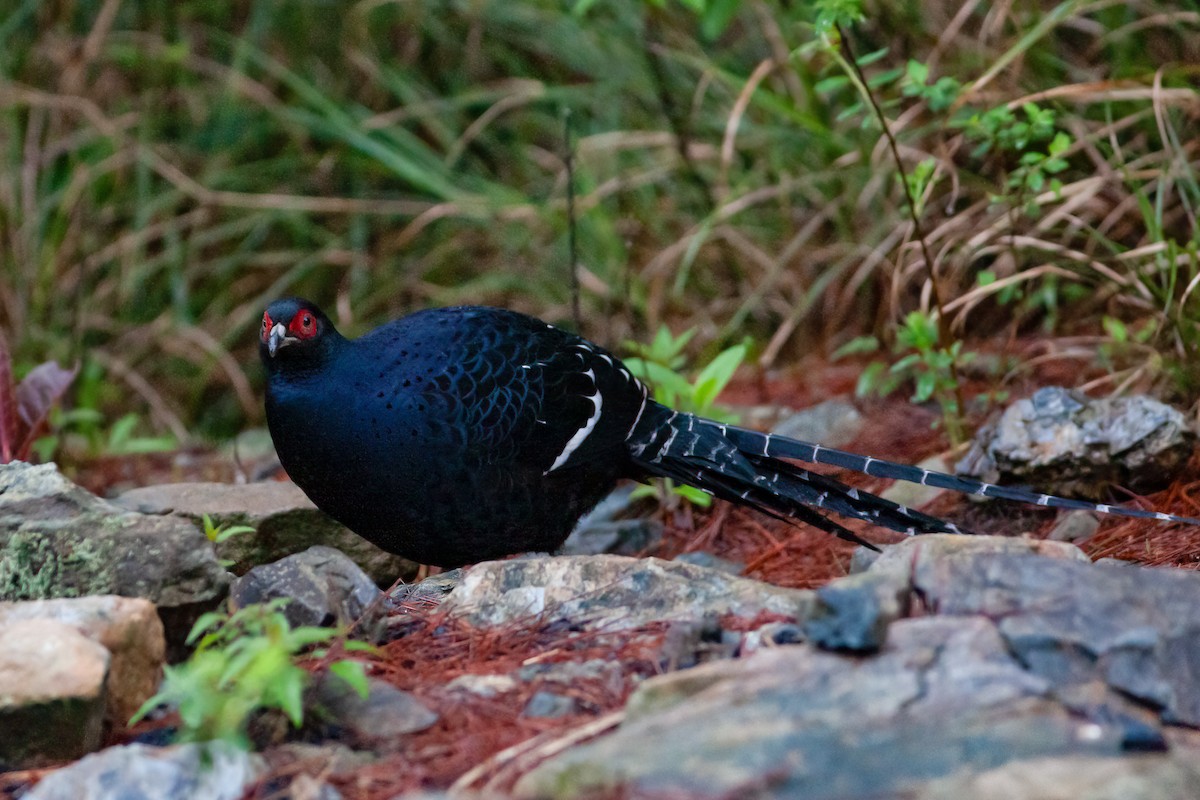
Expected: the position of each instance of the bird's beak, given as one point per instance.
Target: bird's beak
(278, 338)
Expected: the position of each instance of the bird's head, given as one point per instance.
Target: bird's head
(294, 330)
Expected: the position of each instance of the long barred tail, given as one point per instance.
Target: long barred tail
(704, 454)
(745, 466)
(783, 447)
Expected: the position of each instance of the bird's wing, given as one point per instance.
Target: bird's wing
(540, 397)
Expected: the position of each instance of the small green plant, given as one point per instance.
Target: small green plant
(660, 365)
(244, 663)
(940, 95)
(219, 533)
(1034, 139)
(929, 367)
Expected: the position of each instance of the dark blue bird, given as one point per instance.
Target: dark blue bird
(456, 435)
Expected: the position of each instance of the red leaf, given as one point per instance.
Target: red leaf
(36, 395)
(10, 421)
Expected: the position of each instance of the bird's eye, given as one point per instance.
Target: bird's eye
(303, 325)
(265, 331)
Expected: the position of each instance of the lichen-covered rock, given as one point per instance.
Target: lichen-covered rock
(1063, 442)
(58, 540)
(285, 522)
(612, 592)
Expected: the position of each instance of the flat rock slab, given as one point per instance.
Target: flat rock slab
(285, 522)
(944, 695)
(59, 540)
(612, 592)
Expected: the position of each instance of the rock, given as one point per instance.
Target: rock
(602, 530)
(128, 628)
(327, 758)
(1132, 628)
(1073, 778)
(375, 722)
(285, 522)
(568, 673)
(1075, 526)
(611, 592)
(324, 587)
(898, 562)
(853, 613)
(211, 771)
(773, 634)
(486, 686)
(691, 642)
(1065, 443)
(52, 697)
(550, 705)
(699, 558)
(943, 696)
(625, 537)
(914, 495)
(832, 423)
(306, 787)
(58, 540)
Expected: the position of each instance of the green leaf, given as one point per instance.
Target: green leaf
(716, 376)
(870, 378)
(916, 72)
(925, 384)
(353, 673)
(717, 16)
(856, 346)
(693, 495)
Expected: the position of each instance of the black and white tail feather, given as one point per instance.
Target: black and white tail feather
(747, 467)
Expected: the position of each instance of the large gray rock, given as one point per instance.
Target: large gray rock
(944, 695)
(285, 521)
(612, 592)
(127, 627)
(211, 771)
(854, 613)
(52, 698)
(1066, 443)
(58, 540)
(1132, 628)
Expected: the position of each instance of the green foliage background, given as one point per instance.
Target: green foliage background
(169, 166)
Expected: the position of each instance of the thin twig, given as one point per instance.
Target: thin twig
(943, 322)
